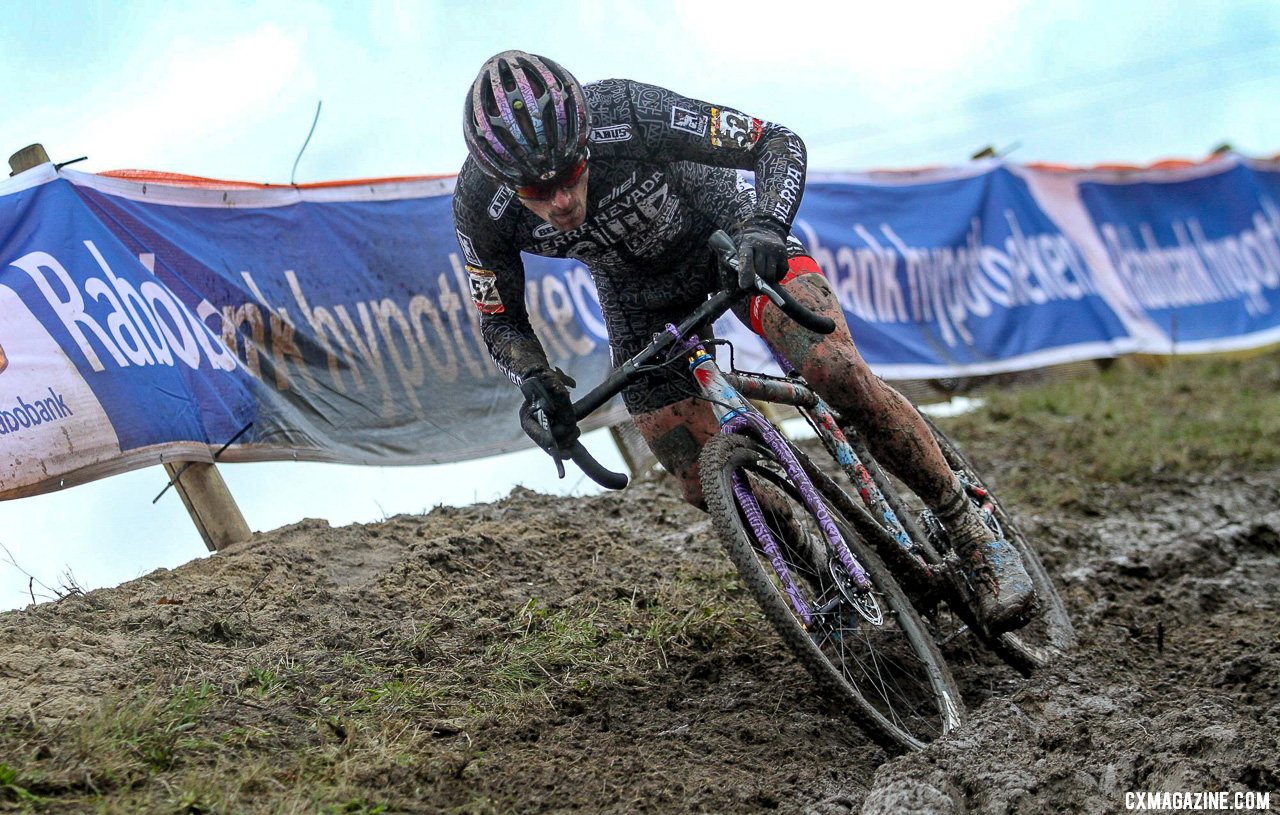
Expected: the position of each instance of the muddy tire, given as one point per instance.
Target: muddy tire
(880, 665)
(1026, 649)
(1050, 633)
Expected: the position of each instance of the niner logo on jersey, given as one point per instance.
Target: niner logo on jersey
(22, 414)
(468, 248)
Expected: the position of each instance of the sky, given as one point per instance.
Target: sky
(230, 90)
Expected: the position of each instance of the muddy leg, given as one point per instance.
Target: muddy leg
(676, 434)
(900, 440)
(891, 426)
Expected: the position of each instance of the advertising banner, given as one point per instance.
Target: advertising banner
(144, 321)
(1198, 250)
(956, 272)
(142, 324)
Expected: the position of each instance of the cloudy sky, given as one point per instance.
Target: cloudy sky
(229, 90)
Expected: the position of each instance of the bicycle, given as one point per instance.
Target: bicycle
(842, 581)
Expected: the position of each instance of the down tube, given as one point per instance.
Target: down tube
(737, 416)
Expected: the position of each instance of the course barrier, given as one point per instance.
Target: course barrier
(148, 318)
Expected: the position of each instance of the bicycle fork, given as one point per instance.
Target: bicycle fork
(736, 415)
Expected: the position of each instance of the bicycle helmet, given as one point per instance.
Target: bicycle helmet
(526, 120)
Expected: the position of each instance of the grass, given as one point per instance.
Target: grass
(329, 733)
(1132, 422)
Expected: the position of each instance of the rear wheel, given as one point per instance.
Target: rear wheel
(866, 647)
(1050, 632)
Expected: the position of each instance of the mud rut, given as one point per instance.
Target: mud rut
(1175, 684)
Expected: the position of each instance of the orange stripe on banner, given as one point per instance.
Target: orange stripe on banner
(1163, 164)
(180, 180)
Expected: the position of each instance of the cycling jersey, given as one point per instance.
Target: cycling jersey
(663, 176)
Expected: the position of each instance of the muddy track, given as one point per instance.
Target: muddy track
(598, 655)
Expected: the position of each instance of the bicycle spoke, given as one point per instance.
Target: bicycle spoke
(865, 653)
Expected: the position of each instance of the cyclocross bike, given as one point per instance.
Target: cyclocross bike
(865, 592)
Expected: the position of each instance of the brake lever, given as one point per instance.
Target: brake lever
(769, 291)
(540, 414)
(723, 246)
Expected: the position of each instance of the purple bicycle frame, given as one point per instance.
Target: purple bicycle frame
(736, 415)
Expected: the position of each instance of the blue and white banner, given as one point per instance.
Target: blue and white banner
(1198, 251)
(144, 321)
(957, 271)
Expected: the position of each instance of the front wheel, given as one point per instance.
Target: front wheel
(864, 645)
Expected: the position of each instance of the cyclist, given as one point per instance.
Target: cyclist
(631, 180)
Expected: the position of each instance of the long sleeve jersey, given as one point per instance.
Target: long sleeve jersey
(663, 176)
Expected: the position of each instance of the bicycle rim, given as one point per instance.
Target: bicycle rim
(868, 650)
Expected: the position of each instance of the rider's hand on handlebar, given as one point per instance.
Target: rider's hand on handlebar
(547, 414)
(762, 250)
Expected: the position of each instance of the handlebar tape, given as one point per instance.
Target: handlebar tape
(594, 470)
(803, 317)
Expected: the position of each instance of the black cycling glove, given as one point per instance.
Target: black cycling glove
(762, 250)
(547, 414)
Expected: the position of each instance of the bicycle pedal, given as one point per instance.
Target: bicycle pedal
(956, 576)
(934, 531)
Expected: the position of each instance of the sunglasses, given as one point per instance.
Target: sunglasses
(546, 190)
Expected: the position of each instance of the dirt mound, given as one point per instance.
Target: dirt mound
(599, 655)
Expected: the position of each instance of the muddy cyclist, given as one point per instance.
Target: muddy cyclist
(630, 180)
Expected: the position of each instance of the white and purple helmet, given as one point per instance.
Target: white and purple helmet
(526, 120)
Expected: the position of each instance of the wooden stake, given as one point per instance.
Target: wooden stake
(209, 502)
(628, 457)
(33, 155)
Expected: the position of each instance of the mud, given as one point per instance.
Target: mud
(671, 695)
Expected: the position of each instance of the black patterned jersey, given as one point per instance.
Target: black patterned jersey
(663, 176)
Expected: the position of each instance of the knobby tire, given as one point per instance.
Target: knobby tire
(1035, 645)
(1051, 632)
(891, 678)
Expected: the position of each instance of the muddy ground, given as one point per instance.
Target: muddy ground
(597, 655)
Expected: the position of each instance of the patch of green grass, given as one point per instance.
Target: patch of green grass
(357, 807)
(1133, 421)
(394, 715)
(12, 789)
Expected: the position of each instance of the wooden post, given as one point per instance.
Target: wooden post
(209, 502)
(628, 455)
(203, 491)
(33, 155)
